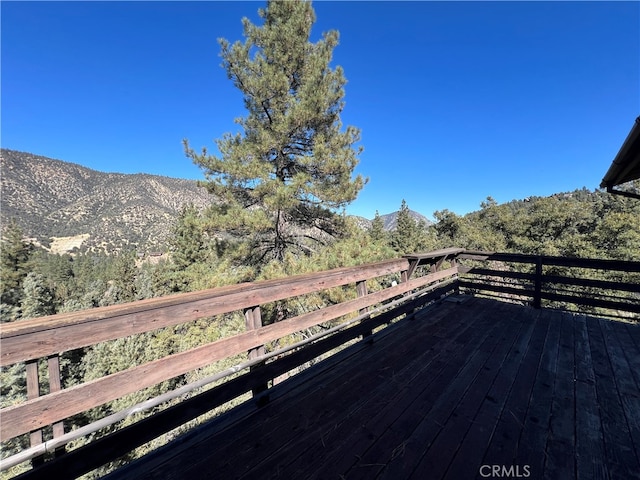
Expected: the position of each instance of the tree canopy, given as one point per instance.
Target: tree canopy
(280, 183)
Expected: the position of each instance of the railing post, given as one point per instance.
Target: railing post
(33, 391)
(253, 321)
(454, 264)
(537, 294)
(53, 365)
(361, 290)
(404, 276)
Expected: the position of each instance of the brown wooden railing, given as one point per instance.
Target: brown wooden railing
(603, 287)
(541, 281)
(47, 337)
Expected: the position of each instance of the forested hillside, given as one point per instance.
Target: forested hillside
(101, 211)
(581, 223)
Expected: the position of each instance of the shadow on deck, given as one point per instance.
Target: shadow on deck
(476, 389)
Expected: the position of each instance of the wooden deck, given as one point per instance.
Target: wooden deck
(456, 392)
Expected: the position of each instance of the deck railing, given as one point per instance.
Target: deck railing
(602, 287)
(30, 341)
(608, 286)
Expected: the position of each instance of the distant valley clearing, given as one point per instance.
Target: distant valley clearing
(61, 245)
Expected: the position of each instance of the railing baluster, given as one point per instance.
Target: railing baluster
(361, 290)
(253, 321)
(33, 391)
(53, 365)
(537, 295)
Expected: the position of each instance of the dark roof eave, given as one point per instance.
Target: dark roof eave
(626, 166)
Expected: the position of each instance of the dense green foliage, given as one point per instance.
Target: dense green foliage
(14, 265)
(578, 224)
(281, 183)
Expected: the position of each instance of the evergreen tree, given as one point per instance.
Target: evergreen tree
(281, 183)
(122, 286)
(377, 232)
(406, 236)
(188, 240)
(448, 226)
(125, 273)
(15, 255)
(37, 297)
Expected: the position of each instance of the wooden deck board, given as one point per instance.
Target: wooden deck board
(444, 448)
(385, 396)
(458, 387)
(620, 451)
(590, 455)
(477, 438)
(370, 444)
(503, 445)
(535, 432)
(350, 391)
(560, 447)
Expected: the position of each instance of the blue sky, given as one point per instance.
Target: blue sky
(456, 100)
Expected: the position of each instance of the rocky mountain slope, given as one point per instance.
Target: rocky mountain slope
(64, 206)
(391, 219)
(98, 211)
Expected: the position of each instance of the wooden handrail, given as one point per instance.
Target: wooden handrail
(543, 286)
(46, 337)
(591, 263)
(50, 335)
(41, 411)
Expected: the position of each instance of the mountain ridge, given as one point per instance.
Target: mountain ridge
(116, 210)
(76, 207)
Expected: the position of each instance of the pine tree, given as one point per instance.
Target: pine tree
(377, 232)
(281, 183)
(123, 284)
(188, 240)
(15, 255)
(404, 238)
(37, 298)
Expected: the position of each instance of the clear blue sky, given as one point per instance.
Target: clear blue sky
(456, 100)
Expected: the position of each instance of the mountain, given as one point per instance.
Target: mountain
(391, 219)
(88, 209)
(63, 206)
